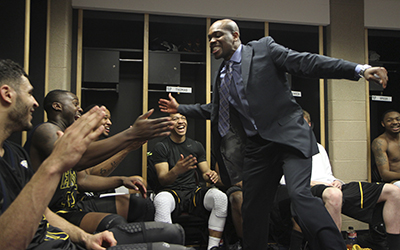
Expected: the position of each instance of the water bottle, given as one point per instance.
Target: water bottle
(351, 238)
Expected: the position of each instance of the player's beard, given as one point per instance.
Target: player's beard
(21, 116)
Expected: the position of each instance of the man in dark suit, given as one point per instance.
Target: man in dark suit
(264, 115)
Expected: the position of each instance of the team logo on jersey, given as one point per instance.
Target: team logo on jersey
(56, 236)
(68, 179)
(24, 163)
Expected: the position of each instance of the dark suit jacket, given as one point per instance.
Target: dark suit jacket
(277, 116)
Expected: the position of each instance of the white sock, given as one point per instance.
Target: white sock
(213, 242)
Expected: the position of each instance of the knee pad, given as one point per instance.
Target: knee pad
(140, 209)
(110, 221)
(164, 204)
(216, 200)
(145, 232)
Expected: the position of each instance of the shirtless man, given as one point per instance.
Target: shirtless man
(386, 148)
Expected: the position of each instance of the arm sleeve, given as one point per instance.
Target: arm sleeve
(310, 64)
(200, 111)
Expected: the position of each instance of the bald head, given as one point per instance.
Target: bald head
(53, 96)
(228, 25)
(62, 107)
(224, 38)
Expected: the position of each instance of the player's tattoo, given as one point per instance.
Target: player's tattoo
(103, 171)
(380, 157)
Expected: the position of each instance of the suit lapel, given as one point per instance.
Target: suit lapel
(247, 53)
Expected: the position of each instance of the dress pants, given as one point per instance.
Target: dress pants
(264, 164)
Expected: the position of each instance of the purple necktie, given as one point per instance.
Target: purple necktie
(223, 122)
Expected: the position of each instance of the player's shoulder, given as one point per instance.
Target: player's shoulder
(382, 141)
(381, 138)
(163, 144)
(195, 142)
(14, 146)
(46, 128)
